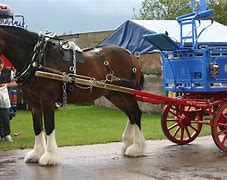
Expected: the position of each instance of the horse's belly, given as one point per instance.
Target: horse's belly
(88, 96)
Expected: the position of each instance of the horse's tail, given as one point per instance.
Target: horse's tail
(139, 76)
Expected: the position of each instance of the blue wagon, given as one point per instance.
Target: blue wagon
(197, 73)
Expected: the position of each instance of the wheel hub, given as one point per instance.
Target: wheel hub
(185, 119)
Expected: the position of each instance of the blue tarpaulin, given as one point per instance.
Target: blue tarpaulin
(130, 34)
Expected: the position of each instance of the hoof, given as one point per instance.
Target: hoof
(124, 147)
(32, 156)
(49, 159)
(134, 151)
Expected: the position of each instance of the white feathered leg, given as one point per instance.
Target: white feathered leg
(51, 156)
(39, 149)
(127, 136)
(138, 146)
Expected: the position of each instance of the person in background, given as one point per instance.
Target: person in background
(6, 81)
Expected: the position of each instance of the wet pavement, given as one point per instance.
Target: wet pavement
(163, 160)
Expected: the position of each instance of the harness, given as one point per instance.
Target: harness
(110, 77)
(38, 63)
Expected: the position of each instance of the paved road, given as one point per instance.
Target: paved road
(163, 160)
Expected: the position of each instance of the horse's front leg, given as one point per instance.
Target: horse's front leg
(51, 156)
(39, 149)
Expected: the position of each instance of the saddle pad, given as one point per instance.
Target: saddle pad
(70, 48)
(71, 45)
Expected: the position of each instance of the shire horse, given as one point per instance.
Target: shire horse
(29, 52)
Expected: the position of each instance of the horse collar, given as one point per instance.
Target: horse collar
(28, 72)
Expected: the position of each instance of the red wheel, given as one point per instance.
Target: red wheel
(180, 123)
(219, 128)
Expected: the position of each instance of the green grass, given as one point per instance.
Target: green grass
(83, 125)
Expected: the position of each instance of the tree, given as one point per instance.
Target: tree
(220, 11)
(160, 9)
(170, 9)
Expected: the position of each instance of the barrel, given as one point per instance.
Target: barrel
(13, 98)
(13, 102)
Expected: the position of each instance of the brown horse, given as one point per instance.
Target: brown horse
(29, 52)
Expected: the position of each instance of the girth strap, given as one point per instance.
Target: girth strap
(99, 53)
(135, 83)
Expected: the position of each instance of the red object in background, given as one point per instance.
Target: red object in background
(7, 63)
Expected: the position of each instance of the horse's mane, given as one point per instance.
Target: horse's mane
(20, 32)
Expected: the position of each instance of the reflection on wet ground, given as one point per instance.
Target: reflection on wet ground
(163, 160)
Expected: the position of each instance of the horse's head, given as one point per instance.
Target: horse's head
(17, 45)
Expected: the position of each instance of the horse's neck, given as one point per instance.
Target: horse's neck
(19, 48)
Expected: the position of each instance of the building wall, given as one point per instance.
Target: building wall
(151, 63)
(86, 40)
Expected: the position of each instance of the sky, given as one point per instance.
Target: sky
(74, 16)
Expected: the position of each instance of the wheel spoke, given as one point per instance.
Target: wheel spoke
(175, 133)
(222, 132)
(224, 140)
(193, 122)
(193, 128)
(221, 124)
(171, 120)
(174, 108)
(173, 126)
(188, 133)
(189, 107)
(173, 112)
(182, 134)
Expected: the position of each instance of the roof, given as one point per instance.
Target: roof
(130, 34)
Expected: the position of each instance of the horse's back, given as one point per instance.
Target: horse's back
(120, 60)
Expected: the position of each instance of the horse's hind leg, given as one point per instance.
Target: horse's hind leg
(51, 156)
(133, 140)
(39, 149)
